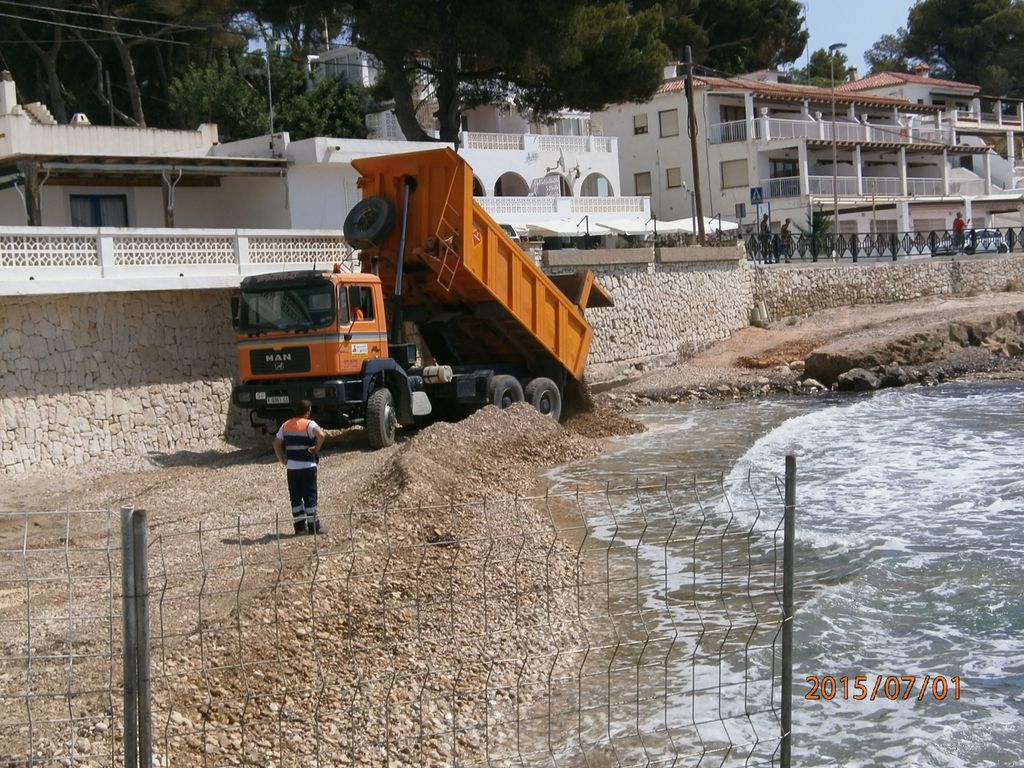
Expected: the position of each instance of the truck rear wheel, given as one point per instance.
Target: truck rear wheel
(369, 222)
(543, 395)
(505, 391)
(381, 420)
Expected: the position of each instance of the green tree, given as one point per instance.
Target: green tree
(334, 107)
(113, 59)
(888, 54)
(823, 69)
(974, 42)
(233, 94)
(222, 93)
(734, 35)
(543, 55)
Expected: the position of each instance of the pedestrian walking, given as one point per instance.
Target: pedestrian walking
(297, 446)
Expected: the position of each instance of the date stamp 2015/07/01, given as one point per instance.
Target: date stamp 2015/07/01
(889, 687)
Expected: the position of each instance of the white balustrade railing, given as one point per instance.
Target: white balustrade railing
(823, 185)
(792, 129)
(784, 187)
(723, 133)
(538, 142)
(778, 128)
(84, 259)
(553, 143)
(623, 205)
(924, 187)
(507, 141)
(503, 207)
(881, 186)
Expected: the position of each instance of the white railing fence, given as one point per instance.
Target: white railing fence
(80, 259)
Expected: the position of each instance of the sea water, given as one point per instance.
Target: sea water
(910, 559)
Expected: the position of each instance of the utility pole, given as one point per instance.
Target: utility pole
(691, 130)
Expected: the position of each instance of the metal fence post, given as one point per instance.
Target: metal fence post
(140, 540)
(128, 646)
(789, 526)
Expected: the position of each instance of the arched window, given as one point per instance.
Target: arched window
(478, 188)
(596, 185)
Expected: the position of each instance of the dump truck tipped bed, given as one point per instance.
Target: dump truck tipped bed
(475, 294)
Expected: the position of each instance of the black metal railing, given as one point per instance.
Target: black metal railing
(775, 248)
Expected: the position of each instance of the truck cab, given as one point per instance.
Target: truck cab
(318, 336)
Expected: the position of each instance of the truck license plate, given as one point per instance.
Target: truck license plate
(277, 400)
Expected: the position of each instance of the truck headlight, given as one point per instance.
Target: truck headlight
(319, 393)
(244, 397)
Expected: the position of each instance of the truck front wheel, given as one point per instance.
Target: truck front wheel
(381, 420)
(543, 395)
(505, 391)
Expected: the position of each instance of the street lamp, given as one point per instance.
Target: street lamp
(835, 150)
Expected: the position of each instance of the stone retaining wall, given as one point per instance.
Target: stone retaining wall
(98, 375)
(790, 290)
(662, 310)
(89, 376)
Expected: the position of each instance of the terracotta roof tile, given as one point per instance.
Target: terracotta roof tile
(786, 91)
(887, 79)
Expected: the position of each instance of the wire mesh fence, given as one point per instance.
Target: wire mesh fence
(630, 626)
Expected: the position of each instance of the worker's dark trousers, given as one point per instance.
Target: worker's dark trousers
(302, 492)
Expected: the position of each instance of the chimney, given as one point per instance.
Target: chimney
(854, 76)
(922, 69)
(8, 96)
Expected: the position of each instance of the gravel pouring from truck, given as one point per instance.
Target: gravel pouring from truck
(493, 327)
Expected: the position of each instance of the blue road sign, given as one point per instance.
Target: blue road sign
(756, 195)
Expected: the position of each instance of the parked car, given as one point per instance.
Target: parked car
(971, 241)
(511, 232)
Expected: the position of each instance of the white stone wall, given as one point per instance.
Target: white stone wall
(662, 310)
(790, 290)
(119, 374)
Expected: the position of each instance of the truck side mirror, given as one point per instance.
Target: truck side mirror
(236, 307)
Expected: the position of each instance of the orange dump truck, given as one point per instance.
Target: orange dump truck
(493, 328)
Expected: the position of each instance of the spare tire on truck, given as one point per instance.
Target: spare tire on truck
(369, 222)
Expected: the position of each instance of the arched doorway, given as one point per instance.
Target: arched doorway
(478, 188)
(511, 184)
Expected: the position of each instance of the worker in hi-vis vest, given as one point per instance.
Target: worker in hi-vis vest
(297, 445)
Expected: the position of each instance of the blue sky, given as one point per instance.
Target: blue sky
(858, 23)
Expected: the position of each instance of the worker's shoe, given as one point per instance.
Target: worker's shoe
(300, 528)
(315, 527)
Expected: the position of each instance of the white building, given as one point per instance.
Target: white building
(902, 165)
(85, 175)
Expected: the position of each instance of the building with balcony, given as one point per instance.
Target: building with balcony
(899, 165)
(995, 121)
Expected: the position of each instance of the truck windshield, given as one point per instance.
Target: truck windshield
(287, 309)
